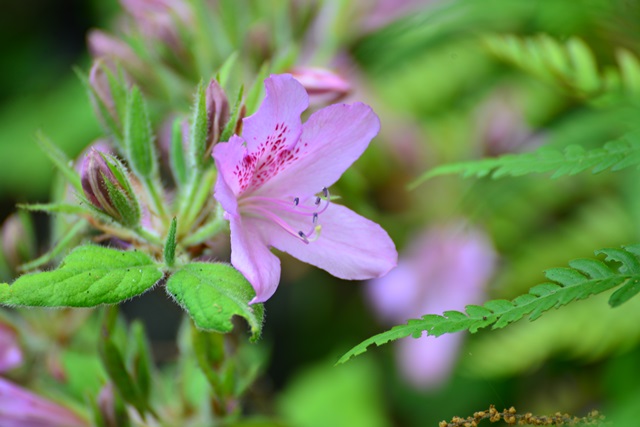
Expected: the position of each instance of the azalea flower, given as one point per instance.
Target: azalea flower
(273, 186)
(445, 268)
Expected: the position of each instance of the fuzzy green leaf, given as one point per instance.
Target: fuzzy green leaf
(614, 155)
(176, 160)
(170, 244)
(198, 133)
(88, 276)
(212, 294)
(586, 277)
(138, 137)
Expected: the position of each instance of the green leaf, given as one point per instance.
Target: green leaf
(584, 278)
(170, 245)
(199, 124)
(122, 380)
(141, 359)
(230, 127)
(614, 155)
(176, 160)
(88, 276)
(64, 208)
(212, 294)
(138, 138)
(61, 161)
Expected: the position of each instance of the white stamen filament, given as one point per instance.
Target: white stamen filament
(268, 207)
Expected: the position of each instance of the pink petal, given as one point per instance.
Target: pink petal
(227, 156)
(252, 257)
(349, 246)
(332, 139)
(284, 102)
(21, 408)
(395, 294)
(426, 362)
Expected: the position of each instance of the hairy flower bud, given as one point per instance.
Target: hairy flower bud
(217, 113)
(322, 85)
(107, 188)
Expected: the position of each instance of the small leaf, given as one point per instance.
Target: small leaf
(198, 131)
(141, 359)
(61, 161)
(138, 138)
(230, 127)
(88, 276)
(625, 293)
(176, 160)
(212, 294)
(170, 245)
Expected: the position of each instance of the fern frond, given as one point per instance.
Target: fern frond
(570, 65)
(614, 155)
(583, 278)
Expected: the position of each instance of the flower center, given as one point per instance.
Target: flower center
(278, 210)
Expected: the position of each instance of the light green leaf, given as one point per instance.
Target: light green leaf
(170, 244)
(61, 161)
(138, 137)
(584, 278)
(198, 131)
(88, 276)
(212, 294)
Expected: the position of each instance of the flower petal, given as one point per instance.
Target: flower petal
(349, 246)
(20, 407)
(252, 257)
(426, 362)
(332, 139)
(283, 104)
(227, 156)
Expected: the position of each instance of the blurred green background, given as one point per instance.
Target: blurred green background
(435, 85)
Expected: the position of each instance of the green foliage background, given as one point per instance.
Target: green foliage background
(429, 74)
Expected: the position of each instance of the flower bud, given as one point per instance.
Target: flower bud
(107, 188)
(159, 20)
(322, 85)
(217, 113)
(102, 98)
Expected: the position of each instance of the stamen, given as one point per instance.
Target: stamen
(272, 209)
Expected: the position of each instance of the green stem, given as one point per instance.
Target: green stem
(156, 200)
(207, 231)
(198, 190)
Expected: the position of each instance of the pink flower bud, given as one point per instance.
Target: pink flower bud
(217, 113)
(322, 85)
(102, 98)
(159, 20)
(104, 45)
(21, 408)
(105, 185)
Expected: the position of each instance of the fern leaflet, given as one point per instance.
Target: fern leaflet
(583, 278)
(615, 155)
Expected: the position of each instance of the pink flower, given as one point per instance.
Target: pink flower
(445, 269)
(267, 184)
(21, 408)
